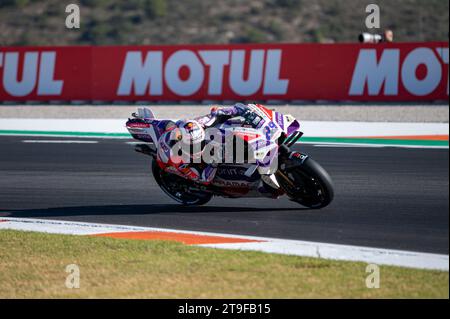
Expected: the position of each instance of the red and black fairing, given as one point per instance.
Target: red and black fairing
(232, 181)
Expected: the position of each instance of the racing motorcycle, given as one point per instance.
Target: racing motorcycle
(298, 176)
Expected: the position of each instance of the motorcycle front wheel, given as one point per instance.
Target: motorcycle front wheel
(175, 187)
(307, 184)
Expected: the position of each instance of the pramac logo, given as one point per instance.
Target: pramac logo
(149, 74)
(23, 73)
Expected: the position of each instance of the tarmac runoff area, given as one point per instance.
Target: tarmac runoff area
(346, 133)
(419, 113)
(413, 125)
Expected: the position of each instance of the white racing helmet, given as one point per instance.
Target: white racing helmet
(193, 137)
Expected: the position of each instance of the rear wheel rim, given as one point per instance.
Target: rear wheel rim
(178, 195)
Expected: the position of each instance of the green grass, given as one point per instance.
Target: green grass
(32, 265)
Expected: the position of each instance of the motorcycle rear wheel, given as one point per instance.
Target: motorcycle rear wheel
(173, 186)
(309, 185)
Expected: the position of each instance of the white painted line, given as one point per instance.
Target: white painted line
(59, 142)
(367, 129)
(311, 128)
(270, 245)
(65, 125)
(136, 143)
(315, 144)
(77, 128)
(378, 256)
(347, 145)
(365, 145)
(71, 136)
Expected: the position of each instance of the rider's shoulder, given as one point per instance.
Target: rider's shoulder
(241, 107)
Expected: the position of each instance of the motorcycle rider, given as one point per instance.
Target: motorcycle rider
(192, 132)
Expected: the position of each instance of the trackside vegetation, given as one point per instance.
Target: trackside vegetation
(33, 265)
(131, 22)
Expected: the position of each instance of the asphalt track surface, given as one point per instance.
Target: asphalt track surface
(384, 197)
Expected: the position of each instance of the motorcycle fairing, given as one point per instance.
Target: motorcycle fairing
(262, 139)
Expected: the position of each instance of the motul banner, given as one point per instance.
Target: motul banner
(45, 73)
(381, 72)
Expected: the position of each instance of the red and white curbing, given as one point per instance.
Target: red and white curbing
(226, 241)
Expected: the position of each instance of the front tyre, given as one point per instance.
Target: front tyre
(308, 184)
(177, 188)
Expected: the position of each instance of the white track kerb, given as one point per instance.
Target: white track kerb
(269, 245)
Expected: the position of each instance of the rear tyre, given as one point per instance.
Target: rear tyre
(309, 185)
(176, 188)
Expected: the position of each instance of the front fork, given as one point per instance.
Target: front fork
(288, 160)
